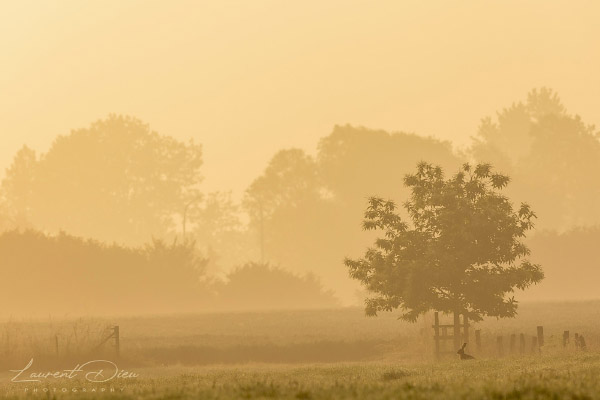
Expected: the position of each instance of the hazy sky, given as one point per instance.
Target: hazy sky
(248, 78)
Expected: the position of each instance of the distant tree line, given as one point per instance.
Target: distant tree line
(552, 156)
(118, 181)
(61, 274)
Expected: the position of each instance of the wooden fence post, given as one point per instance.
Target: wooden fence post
(565, 338)
(540, 336)
(534, 344)
(513, 343)
(579, 342)
(56, 344)
(436, 327)
(456, 332)
(478, 340)
(522, 344)
(500, 346)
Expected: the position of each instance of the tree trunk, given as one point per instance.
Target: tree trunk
(457, 338)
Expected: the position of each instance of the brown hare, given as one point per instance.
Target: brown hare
(461, 353)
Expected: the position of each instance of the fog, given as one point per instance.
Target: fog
(210, 156)
(246, 79)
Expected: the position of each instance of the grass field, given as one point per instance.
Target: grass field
(573, 376)
(328, 354)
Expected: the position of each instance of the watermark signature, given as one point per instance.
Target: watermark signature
(96, 371)
(48, 390)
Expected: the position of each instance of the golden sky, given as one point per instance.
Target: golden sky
(248, 78)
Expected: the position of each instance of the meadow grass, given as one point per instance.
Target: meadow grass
(560, 376)
(318, 354)
(337, 335)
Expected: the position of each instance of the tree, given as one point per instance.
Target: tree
(220, 233)
(17, 187)
(553, 158)
(256, 286)
(562, 171)
(462, 253)
(115, 181)
(285, 205)
(355, 162)
(159, 277)
(307, 206)
(509, 141)
(289, 180)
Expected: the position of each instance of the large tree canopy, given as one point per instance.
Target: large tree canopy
(462, 253)
(288, 212)
(355, 162)
(552, 156)
(116, 181)
(306, 206)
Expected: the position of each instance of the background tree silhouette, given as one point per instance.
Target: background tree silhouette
(18, 188)
(115, 181)
(310, 204)
(118, 181)
(262, 286)
(552, 156)
(462, 253)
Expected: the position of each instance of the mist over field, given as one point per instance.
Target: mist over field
(115, 204)
(302, 200)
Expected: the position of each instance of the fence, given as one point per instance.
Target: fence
(64, 341)
(458, 333)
